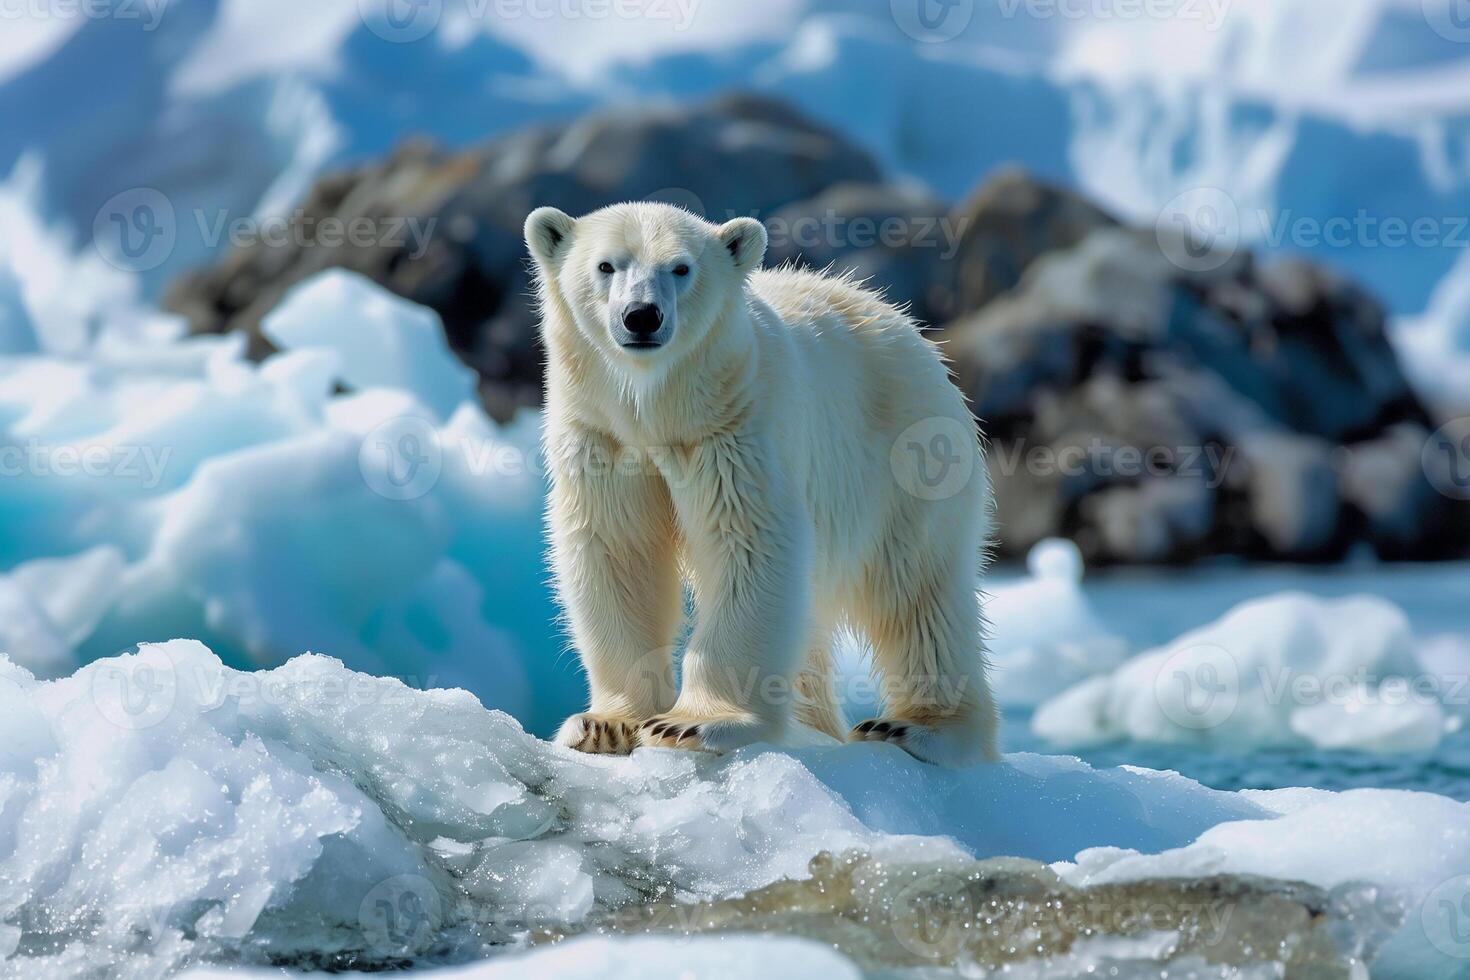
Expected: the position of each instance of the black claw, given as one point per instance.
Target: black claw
(882, 726)
(866, 726)
(691, 732)
(900, 731)
(660, 729)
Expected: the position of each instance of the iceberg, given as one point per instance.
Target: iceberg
(378, 340)
(157, 486)
(1044, 634)
(1289, 670)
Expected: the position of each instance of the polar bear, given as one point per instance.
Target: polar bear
(788, 446)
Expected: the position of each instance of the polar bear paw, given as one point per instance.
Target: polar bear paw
(953, 746)
(879, 730)
(675, 731)
(599, 734)
(671, 732)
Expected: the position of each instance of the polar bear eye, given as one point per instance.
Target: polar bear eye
(681, 270)
(605, 268)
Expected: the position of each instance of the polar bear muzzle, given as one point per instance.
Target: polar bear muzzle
(642, 322)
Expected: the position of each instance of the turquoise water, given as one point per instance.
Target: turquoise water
(1152, 607)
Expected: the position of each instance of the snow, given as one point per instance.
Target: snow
(603, 958)
(161, 809)
(379, 340)
(1435, 345)
(1288, 670)
(50, 300)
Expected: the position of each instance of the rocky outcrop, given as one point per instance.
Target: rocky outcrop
(897, 239)
(1155, 414)
(738, 155)
(1150, 412)
(1007, 223)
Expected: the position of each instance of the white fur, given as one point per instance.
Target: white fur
(754, 456)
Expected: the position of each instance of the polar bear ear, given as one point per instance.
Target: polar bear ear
(745, 239)
(548, 233)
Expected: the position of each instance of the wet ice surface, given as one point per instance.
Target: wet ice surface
(161, 810)
(901, 911)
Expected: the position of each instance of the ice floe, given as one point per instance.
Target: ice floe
(161, 810)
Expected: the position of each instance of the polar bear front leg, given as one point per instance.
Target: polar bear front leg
(614, 555)
(748, 545)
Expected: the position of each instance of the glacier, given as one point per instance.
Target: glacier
(1134, 110)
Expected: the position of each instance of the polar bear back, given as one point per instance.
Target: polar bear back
(849, 375)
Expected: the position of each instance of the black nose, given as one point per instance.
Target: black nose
(642, 319)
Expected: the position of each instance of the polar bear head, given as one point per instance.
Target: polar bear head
(642, 282)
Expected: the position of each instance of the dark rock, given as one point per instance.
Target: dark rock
(1006, 224)
(895, 238)
(1162, 415)
(1150, 412)
(742, 155)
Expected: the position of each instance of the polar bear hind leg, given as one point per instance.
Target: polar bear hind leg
(922, 614)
